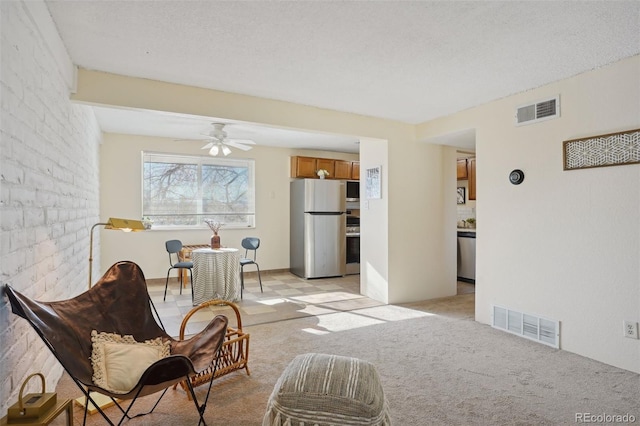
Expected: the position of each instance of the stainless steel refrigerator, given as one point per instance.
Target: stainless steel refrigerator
(318, 228)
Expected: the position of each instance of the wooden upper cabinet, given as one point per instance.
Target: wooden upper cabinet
(307, 167)
(303, 167)
(463, 172)
(342, 169)
(355, 170)
(328, 165)
(471, 162)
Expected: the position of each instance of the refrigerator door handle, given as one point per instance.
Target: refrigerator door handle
(325, 213)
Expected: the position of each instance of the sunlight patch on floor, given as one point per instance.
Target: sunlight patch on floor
(314, 331)
(343, 321)
(332, 296)
(253, 310)
(316, 310)
(271, 301)
(392, 313)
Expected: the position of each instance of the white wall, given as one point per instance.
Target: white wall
(48, 186)
(564, 244)
(421, 222)
(374, 223)
(121, 191)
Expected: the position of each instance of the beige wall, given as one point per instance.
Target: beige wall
(121, 191)
(414, 176)
(563, 244)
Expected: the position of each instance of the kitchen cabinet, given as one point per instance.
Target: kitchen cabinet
(355, 170)
(471, 167)
(466, 170)
(303, 167)
(463, 171)
(306, 167)
(342, 169)
(328, 165)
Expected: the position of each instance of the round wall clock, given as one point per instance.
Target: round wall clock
(516, 177)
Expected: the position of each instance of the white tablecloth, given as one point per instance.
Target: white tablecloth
(216, 274)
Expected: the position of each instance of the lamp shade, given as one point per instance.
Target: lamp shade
(126, 225)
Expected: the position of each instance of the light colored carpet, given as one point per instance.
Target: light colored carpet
(437, 366)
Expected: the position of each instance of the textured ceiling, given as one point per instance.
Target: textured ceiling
(410, 61)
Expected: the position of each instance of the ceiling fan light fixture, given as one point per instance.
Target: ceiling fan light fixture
(218, 142)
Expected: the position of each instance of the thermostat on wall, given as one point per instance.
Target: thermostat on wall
(516, 177)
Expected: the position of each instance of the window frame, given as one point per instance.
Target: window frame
(199, 161)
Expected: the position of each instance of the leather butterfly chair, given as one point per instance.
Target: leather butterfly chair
(119, 303)
(249, 244)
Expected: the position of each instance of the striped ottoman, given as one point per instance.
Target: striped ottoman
(319, 389)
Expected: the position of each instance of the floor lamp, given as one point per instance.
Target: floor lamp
(126, 225)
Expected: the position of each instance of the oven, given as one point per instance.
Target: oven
(353, 245)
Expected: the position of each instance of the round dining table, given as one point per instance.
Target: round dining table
(216, 274)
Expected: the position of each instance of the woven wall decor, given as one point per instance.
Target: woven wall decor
(612, 149)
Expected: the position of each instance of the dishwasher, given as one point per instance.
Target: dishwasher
(467, 256)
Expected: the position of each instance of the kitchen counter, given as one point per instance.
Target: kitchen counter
(466, 229)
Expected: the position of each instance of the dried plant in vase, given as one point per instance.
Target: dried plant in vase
(215, 227)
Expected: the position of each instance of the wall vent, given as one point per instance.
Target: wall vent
(545, 109)
(525, 325)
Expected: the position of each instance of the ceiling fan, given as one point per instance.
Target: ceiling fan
(220, 143)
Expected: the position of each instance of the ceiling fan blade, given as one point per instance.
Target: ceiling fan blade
(244, 141)
(238, 145)
(207, 146)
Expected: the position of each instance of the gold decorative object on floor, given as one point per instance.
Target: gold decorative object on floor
(234, 354)
(37, 408)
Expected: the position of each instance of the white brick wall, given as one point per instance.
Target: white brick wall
(49, 182)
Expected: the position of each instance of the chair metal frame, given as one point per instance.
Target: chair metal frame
(249, 244)
(175, 247)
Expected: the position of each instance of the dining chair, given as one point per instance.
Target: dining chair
(249, 244)
(173, 248)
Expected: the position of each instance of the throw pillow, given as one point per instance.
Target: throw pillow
(119, 361)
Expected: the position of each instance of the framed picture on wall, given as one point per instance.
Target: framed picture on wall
(461, 195)
(373, 182)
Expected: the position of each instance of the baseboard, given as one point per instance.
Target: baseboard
(247, 274)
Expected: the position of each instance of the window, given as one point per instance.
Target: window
(183, 190)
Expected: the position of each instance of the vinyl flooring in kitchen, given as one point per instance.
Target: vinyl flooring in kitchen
(285, 296)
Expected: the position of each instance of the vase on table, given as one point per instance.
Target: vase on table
(215, 241)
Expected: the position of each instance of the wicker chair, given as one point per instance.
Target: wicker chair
(119, 303)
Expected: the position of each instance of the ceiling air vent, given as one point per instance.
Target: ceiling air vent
(539, 111)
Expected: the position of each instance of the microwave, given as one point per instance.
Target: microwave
(353, 190)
